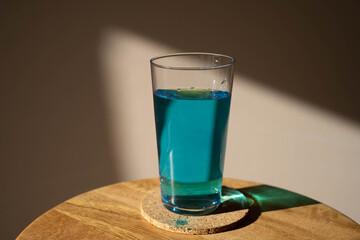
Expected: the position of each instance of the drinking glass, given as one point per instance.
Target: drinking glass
(192, 93)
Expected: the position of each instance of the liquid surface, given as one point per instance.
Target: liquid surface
(191, 128)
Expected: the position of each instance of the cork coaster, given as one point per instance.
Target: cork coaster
(226, 217)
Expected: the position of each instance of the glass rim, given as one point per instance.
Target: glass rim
(232, 61)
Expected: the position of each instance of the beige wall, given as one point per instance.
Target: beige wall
(76, 107)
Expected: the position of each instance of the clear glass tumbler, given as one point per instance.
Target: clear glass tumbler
(192, 93)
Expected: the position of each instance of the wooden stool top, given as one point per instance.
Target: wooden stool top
(113, 212)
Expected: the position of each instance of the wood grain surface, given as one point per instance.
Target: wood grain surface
(113, 212)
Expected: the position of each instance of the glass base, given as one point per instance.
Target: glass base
(191, 211)
(193, 204)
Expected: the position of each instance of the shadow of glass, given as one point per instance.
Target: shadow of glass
(272, 198)
(233, 200)
(258, 199)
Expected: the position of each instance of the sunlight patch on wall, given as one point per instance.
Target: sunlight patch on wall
(279, 140)
(127, 83)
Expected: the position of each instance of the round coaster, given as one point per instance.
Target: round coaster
(223, 219)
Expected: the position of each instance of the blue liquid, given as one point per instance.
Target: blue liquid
(191, 127)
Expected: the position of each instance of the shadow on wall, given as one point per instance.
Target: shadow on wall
(54, 134)
(304, 49)
(54, 129)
